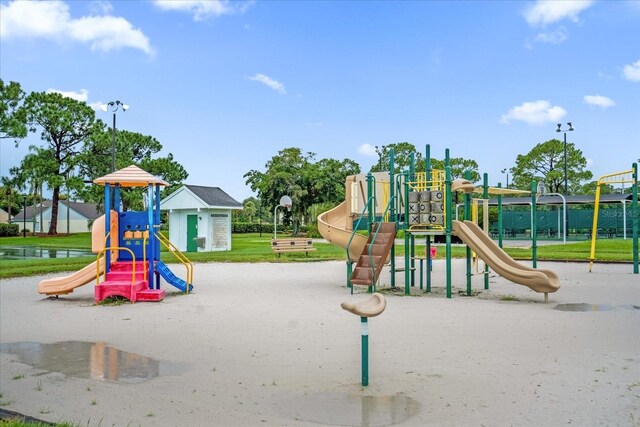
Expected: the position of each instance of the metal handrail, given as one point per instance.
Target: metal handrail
(181, 257)
(356, 227)
(110, 248)
(371, 263)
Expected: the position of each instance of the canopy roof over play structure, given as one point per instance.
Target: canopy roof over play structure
(131, 176)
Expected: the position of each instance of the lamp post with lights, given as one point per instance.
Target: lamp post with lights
(570, 129)
(114, 106)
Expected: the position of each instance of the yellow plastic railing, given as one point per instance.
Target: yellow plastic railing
(111, 248)
(624, 177)
(179, 255)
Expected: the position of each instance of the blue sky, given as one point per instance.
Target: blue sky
(225, 85)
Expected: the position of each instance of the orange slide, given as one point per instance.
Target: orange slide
(65, 285)
(539, 280)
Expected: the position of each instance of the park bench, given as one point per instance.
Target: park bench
(292, 245)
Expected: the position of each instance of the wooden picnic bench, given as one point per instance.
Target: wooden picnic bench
(299, 244)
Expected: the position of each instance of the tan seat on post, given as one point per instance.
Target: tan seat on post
(369, 308)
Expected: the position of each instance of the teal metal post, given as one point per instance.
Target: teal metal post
(407, 289)
(500, 231)
(392, 213)
(634, 214)
(370, 203)
(412, 250)
(467, 217)
(485, 195)
(428, 243)
(365, 351)
(534, 232)
(448, 204)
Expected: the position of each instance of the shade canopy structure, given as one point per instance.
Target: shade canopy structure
(131, 176)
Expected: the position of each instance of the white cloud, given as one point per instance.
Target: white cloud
(81, 96)
(203, 9)
(268, 81)
(590, 163)
(534, 113)
(632, 71)
(554, 37)
(599, 100)
(544, 12)
(367, 150)
(100, 7)
(51, 20)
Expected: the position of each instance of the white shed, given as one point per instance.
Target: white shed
(200, 218)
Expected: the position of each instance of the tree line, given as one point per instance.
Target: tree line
(76, 148)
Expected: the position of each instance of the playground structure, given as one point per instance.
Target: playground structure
(420, 204)
(127, 245)
(625, 177)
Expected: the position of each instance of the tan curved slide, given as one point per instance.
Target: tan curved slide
(332, 225)
(539, 280)
(65, 285)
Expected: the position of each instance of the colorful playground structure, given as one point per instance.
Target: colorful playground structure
(420, 204)
(127, 245)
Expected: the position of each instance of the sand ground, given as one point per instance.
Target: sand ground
(268, 344)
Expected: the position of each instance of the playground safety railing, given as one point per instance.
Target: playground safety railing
(179, 255)
(111, 248)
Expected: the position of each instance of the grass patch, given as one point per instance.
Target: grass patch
(253, 248)
(114, 300)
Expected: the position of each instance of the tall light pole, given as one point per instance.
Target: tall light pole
(379, 151)
(114, 106)
(506, 171)
(559, 129)
(566, 187)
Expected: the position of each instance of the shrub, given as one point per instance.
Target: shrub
(8, 230)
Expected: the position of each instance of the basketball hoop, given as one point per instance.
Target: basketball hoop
(286, 202)
(542, 190)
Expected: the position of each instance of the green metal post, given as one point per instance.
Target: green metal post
(412, 264)
(485, 195)
(392, 213)
(448, 227)
(428, 177)
(534, 214)
(365, 351)
(634, 215)
(370, 190)
(429, 264)
(500, 232)
(467, 217)
(407, 289)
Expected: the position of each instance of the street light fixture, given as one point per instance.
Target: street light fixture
(379, 152)
(559, 129)
(506, 171)
(114, 106)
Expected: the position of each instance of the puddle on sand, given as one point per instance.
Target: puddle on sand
(345, 409)
(96, 361)
(593, 307)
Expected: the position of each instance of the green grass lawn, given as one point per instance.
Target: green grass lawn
(253, 248)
